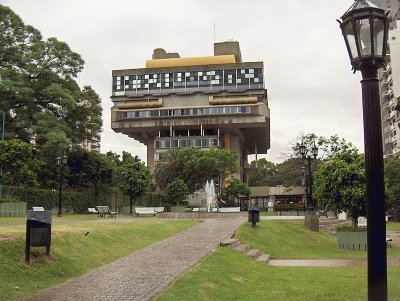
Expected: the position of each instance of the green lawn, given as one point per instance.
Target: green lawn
(73, 253)
(392, 226)
(65, 217)
(229, 275)
(292, 240)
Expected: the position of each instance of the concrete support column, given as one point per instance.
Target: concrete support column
(150, 154)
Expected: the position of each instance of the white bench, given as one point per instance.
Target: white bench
(145, 210)
(229, 209)
(195, 209)
(103, 210)
(37, 208)
(92, 211)
(158, 209)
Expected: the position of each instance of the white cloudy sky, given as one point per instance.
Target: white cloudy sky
(308, 75)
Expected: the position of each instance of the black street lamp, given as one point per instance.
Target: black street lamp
(61, 162)
(309, 155)
(365, 30)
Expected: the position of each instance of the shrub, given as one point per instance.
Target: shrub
(288, 207)
(48, 199)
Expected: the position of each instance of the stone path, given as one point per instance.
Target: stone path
(144, 274)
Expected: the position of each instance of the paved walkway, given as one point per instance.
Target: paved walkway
(144, 274)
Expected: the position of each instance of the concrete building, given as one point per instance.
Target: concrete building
(390, 82)
(212, 101)
(268, 197)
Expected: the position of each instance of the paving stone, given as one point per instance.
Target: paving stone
(241, 248)
(253, 253)
(230, 242)
(264, 258)
(144, 274)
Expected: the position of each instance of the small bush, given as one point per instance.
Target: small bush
(48, 199)
(288, 207)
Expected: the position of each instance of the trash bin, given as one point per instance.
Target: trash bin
(38, 231)
(254, 215)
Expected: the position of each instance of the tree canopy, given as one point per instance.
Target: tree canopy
(37, 87)
(340, 183)
(176, 191)
(133, 179)
(195, 166)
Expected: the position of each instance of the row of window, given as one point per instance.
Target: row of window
(187, 112)
(191, 79)
(187, 142)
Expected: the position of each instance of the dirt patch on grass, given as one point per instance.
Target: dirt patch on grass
(10, 236)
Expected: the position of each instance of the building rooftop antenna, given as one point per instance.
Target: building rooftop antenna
(214, 30)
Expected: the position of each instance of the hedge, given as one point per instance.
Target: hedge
(75, 201)
(288, 207)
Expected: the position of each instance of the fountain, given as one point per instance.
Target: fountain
(209, 191)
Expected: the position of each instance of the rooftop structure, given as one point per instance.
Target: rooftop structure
(209, 101)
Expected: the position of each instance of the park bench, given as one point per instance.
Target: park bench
(229, 209)
(195, 209)
(323, 212)
(105, 210)
(145, 211)
(37, 208)
(92, 211)
(158, 209)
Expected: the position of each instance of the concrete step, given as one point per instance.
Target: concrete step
(264, 258)
(242, 248)
(230, 243)
(332, 222)
(253, 253)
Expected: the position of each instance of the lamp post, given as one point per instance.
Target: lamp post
(61, 162)
(309, 155)
(365, 29)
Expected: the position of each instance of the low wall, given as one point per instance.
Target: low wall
(12, 209)
(200, 215)
(355, 241)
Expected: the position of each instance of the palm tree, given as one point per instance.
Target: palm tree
(167, 169)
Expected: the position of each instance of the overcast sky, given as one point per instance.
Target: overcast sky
(307, 70)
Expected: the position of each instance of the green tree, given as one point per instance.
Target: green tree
(265, 171)
(340, 183)
(168, 168)
(176, 191)
(327, 147)
(37, 86)
(234, 190)
(392, 179)
(18, 164)
(133, 179)
(90, 170)
(202, 165)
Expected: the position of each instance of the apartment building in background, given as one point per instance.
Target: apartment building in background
(389, 78)
(212, 101)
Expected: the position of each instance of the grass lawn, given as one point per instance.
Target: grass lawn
(292, 240)
(230, 275)
(73, 253)
(272, 213)
(65, 217)
(392, 226)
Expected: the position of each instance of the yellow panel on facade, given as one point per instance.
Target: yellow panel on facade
(140, 104)
(231, 100)
(191, 61)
